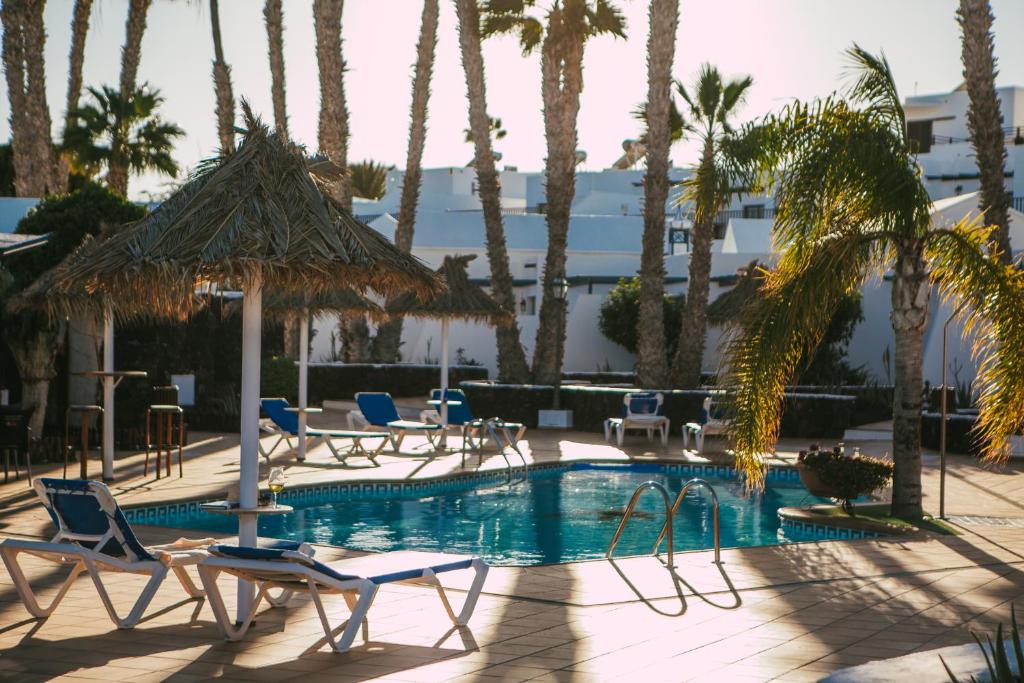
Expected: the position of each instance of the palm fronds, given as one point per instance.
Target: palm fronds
(993, 318)
(730, 305)
(259, 210)
(462, 300)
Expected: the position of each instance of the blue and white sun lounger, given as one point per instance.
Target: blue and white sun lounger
(378, 408)
(357, 580)
(286, 424)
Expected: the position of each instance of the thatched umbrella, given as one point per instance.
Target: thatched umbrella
(463, 300)
(728, 305)
(258, 216)
(283, 305)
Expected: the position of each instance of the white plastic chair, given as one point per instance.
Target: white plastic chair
(641, 413)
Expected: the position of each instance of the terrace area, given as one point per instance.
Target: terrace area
(791, 612)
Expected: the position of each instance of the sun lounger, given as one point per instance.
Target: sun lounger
(378, 409)
(357, 580)
(474, 430)
(641, 411)
(286, 424)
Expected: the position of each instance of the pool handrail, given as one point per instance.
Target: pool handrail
(629, 513)
(675, 508)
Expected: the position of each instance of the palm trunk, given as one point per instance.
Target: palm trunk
(135, 27)
(910, 293)
(222, 86)
(389, 335)
(274, 18)
(33, 343)
(689, 359)
(26, 183)
(37, 110)
(333, 124)
(562, 82)
(652, 363)
(984, 120)
(511, 358)
(76, 62)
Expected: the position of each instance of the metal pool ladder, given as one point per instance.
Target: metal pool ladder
(670, 513)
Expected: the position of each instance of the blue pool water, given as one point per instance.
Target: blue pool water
(555, 516)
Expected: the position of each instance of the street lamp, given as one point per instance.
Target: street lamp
(560, 292)
(945, 412)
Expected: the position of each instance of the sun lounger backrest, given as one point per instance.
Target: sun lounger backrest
(377, 407)
(457, 415)
(275, 410)
(642, 403)
(86, 514)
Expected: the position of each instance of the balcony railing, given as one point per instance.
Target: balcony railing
(1011, 136)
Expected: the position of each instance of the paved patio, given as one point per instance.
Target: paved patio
(790, 613)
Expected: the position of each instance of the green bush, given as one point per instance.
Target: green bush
(816, 415)
(279, 377)
(849, 477)
(334, 381)
(960, 436)
(620, 313)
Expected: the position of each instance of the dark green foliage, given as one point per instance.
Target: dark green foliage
(873, 402)
(279, 376)
(621, 309)
(828, 365)
(369, 179)
(342, 381)
(999, 666)
(816, 415)
(849, 477)
(960, 435)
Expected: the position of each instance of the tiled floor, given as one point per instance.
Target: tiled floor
(791, 612)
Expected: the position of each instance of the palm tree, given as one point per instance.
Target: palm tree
(709, 190)
(652, 364)
(122, 132)
(498, 131)
(561, 36)
(389, 335)
(850, 203)
(76, 57)
(222, 86)
(511, 357)
(369, 179)
(333, 127)
(35, 170)
(984, 120)
(274, 18)
(131, 54)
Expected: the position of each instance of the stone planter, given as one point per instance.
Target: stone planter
(813, 483)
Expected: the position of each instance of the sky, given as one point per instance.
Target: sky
(792, 48)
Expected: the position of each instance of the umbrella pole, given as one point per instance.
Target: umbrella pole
(252, 304)
(108, 396)
(303, 380)
(444, 382)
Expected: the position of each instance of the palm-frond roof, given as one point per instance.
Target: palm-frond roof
(462, 300)
(260, 210)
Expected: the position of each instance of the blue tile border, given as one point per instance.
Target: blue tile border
(803, 530)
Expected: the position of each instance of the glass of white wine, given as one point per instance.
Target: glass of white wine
(276, 482)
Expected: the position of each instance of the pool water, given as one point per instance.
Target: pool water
(555, 516)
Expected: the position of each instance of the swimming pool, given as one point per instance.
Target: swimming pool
(557, 515)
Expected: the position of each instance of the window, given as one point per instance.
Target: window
(753, 211)
(920, 135)
(528, 305)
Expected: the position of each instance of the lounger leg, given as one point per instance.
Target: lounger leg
(25, 592)
(281, 599)
(340, 457)
(187, 583)
(700, 441)
(366, 593)
(397, 443)
(155, 579)
(471, 597)
(228, 627)
(620, 434)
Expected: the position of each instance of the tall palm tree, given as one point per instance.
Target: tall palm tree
(389, 335)
(560, 35)
(122, 132)
(35, 170)
(652, 364)
(850, 203)
(76, 56)
(222, 85)
(274, 18)
(984, 119)
(333, 127)
(512, 365)
(709, 189)
(131, 54)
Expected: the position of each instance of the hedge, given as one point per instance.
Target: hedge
(332, 381)
(959, 436)
(873, 401)
(804, 415)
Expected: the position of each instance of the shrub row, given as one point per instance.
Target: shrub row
(329, 381)
(959, 433)
(804, 415)
(873, 401)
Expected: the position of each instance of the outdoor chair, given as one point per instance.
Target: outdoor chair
(93, 535)
(15, 437)
(164, 409)
(474, 430)
(640, 411)
(285, 424)
(710, 423)
(357, 580)
(378, 409)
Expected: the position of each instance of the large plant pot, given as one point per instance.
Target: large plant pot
(813, 483)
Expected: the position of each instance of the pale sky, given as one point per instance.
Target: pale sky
(792, 48)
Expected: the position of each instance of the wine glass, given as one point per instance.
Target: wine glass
(276, 482)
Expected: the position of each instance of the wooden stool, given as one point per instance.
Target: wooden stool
(164, 412)
(85, 412)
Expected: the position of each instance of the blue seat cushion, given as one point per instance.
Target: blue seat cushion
(285, 420)
(378, 408)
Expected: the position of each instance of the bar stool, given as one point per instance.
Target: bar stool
(86, 412)
(164, 409)
(14, 438)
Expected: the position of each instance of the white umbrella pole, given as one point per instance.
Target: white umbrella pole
(444, 382)
(108, 396)
(252, 311)
(303, 380)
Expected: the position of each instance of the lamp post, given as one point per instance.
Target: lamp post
(942, 424)
(560, 292)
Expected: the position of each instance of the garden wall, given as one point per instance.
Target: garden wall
(329, 381)
(959, 437)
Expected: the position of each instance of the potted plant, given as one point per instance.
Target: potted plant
(831, 474)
